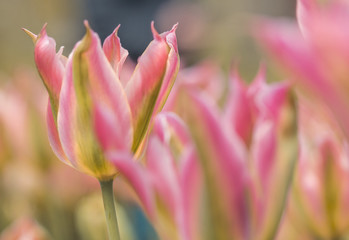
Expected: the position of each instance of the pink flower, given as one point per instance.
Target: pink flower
(316, 54)
(318, 204)
(241, 187)
(90, 111)
(247, 153)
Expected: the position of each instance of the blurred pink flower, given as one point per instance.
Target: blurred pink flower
(247, 154)
(316, 53)
(318, 204)
(90, 111)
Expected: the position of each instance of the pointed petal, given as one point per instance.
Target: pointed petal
(50, 67)
(171, 70)
(137, 177)
(172, 130)
(154, 69)
(91, 87)
(114, 52)
(238, 112)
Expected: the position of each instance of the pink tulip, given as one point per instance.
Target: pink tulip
(248, 159)
(316, 53)
(168, 184)
(318, 205)
(89, 110)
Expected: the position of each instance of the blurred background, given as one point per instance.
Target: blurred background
(219, 29)
(37, 191)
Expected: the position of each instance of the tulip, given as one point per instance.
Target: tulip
(318, 204)
(247, 154)
(315, 54)
(90, 111)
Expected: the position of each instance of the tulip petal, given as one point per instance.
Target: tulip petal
(161, 166)
(304, 9)
(286, 44)
(172, 131)
(146, 82)
(190, 176)
(137, 177)
(53, 135)
(238, 112)
(115, 53)
(91, 87)
(49, 65)
(275, 152)
(171, 70)
(222, 158)
(165, 178)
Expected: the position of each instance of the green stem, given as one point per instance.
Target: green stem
(109, 209)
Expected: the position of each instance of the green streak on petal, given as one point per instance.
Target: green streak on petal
(90, 154)
(141, 124)
(286, 159)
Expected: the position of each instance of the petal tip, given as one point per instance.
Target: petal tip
(43, 32)
(31, 35)
(156, 35)
(174, 28)
(115, 32)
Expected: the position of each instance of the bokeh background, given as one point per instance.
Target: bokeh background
(36, 190)
(218, 29)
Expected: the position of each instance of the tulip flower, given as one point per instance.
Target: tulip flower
(247, 154)
(318, 204)
(316, 53)
(168, 184)
(90, 111)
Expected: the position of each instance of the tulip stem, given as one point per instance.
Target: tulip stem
(109, 209)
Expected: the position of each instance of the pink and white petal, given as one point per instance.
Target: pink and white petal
(137, 176)
(145, 84)
(107, 129)
(169, 126)
(285, 43)
(95, 79)
(191, 186)
(53, 135)
(305, 8)
(67, 117)
(171, 69)
(238, 110)
(114, 52)
(164, 175)
(222, 155)
(50, 67)
(281, 145)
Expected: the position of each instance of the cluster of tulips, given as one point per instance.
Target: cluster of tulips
(209, 159)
